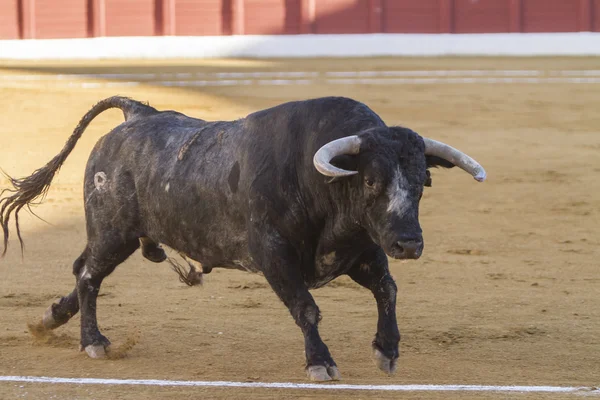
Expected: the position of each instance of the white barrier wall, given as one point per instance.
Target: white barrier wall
(363, 45)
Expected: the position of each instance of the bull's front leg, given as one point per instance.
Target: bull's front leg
(281, 268)
(286, 280)
(373, 273)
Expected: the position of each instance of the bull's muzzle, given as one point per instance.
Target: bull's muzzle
(407, 249)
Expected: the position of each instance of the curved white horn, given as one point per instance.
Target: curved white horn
(456, 157)
(323, 157)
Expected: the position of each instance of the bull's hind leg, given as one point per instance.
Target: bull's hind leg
(105, 253)
(60, 313)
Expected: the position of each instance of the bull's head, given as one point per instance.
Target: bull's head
(390, 168)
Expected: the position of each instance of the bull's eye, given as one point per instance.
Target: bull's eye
(369, 182)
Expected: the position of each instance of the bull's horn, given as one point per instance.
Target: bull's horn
(456, 157)
(323, 157)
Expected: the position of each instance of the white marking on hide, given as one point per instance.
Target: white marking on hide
(311, 315)
(328, 259)
(167, 186)
(100, 180)
(85, 274)
(398, 196)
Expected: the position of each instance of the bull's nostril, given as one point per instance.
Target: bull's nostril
(399, 247)
(408, 248)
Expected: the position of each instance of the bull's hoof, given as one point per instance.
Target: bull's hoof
(96, 350)
(384, 363)
(153, 253)
(48, 321)
(194, 277)
(334, 373)
(320, 373)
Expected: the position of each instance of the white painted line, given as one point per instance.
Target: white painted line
(334, 78)
(285, 82)
(314, 386)
(586, 72)
(224, 82)
(424, 81)
(302, 74)
(262, 74)
(440, 73)
(184, 75)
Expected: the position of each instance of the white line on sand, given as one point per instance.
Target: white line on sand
(167, 76)
(293, 82)
(462, 80)
(313, 386)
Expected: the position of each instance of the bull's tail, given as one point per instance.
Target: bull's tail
(26, 190)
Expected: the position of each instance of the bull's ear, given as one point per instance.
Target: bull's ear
(435, 161)
(428, 179)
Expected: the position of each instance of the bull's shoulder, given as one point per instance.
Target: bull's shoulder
(313, 117)
(315, 107)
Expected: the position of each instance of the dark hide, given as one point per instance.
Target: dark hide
(244, 194)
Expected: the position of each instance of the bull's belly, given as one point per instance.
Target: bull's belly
(203, 229)
(223, 252)
(246, 265)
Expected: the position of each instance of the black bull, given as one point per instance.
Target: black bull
(303, 193)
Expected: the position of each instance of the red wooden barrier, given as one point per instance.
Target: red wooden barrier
(551, 15)
(375, 16)
(54, 19)
(341, 16)
(412, 16)
(446, 14)
(272, 17)
(81, 18)
(596, 15)
(9, 19)
(190, 17)
(515, 8)
(481, 16)
(126, 18)
(585, 15)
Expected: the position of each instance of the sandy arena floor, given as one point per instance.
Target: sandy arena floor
(507, 292)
